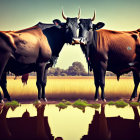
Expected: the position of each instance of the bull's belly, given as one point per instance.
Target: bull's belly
(19, 68)
(119, 67)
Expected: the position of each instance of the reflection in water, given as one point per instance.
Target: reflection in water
(25, 127)
(68, 124)
(113, 128)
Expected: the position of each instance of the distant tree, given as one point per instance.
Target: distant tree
(77, 68)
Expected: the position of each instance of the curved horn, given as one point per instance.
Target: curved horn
(64, 15)
(79, 13)
(94, 16)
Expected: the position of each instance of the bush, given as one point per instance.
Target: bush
(12, 103)
(61, 105)
(111, 103)
(96, 106)
(121, 103)
(134, 103)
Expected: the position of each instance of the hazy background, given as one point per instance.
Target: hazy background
(116, 14)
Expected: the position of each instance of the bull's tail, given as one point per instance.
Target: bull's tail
(25, 78)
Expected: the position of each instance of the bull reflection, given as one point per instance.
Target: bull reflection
(25, 127)
(113, 128)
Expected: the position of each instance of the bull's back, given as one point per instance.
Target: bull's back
(29, 44)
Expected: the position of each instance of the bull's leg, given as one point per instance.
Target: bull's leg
(3, 84)
(96, 81)
(136, 78)
(44, 85)
(102, 72)
(4, 57)
(40, 76)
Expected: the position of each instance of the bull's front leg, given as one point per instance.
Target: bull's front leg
(41, 81)
(3, 84)
(4, 57)
(96, 82)
(44, 85)
(102, 72)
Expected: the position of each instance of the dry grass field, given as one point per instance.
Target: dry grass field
(70, 88)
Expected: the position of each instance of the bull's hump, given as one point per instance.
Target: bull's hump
(27, 29)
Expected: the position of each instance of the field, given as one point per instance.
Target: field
(70, 88)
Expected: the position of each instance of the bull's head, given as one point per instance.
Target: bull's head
(70, 27)
(86, 27)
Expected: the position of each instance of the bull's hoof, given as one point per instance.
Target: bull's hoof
(38, 101)
(104, 100)
(1, 101)
(131, 99)
(96, 99)
(45, 99)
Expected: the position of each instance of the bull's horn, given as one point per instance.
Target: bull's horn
(94, 16)
(79, 13)
(64, 15)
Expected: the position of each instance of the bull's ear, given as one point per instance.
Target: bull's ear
(97, 26)
(57, 23)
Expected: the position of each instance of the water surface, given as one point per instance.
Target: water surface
(74, 124)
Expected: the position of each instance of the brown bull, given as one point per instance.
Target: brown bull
(22, 52)
(34, 49)
(116, 51)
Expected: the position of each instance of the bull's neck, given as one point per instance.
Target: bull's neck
(92, 39)
(55, 38)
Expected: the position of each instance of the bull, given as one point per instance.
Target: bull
(34, 49)
(108, 50)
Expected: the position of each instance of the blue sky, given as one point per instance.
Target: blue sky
(116, 14)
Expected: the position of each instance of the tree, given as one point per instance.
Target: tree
(77, 68)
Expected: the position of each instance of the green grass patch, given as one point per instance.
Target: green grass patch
(36, 102)
(96, 106)
(12, 103)
(66, 102)
(81, 104)
(134, 103)
(61, 105)
(111, 103)
(121, 103)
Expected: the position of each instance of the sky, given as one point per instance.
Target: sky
(116, 14)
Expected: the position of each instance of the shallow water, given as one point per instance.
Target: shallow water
(72, 123)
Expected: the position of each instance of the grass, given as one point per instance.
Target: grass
(12, 103)
(61, 105)
(111, 103)
(119, 103)
(96, 106)
(134, 103)
(70, 87)
(80, 104)
(36, 102)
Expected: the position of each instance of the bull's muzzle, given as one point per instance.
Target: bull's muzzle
(79, 40)
(83, 41)
(76, 41)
